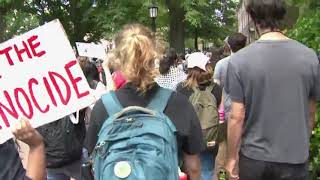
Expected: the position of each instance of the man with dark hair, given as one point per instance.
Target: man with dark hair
(273, 84)
(235, 42)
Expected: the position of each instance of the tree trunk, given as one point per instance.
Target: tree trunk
(203, 45)
(196, 39)
(176, 25)
(2, 25)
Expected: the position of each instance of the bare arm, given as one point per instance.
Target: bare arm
(221, 106)
(235, 125)
(106, 67)
(36, 163)
(36, 168)
(313, 110)
(192, 166)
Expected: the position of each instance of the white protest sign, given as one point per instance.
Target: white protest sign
(40, 79)
(91, 50)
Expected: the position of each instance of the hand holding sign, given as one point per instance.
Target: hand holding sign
(24, 132)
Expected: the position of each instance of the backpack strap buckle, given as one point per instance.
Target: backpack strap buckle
(101, 148)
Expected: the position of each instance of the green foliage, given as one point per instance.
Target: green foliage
(210, 20)
(315, 150)
(307, 30)
(73, 14)
(19, 22)
(109, 18)
(7, 7)
(195, 12)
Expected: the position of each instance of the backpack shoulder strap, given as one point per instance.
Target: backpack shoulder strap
(111, 103)
(195, 89)
(160, 100)
(210, 88)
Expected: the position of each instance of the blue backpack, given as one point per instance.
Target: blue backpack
(136, 143)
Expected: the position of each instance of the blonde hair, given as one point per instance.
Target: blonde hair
(136, 52)
(198, 76)
(112, 62)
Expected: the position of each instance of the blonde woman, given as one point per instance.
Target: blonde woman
(136, 52)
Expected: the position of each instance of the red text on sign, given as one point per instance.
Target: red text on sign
(29, 49)
(15, 100)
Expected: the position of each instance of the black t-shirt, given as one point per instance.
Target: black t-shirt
(216, 91)
(11, 167)
(179, 110)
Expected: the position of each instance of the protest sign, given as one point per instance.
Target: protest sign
(97, 51)
(91, 50)
(40, 79)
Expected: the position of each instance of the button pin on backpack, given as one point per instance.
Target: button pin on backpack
(122, 169)
(211, 144)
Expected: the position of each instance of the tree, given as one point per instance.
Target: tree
(6, 8)
(177, 19)
(109, 17)
(211, 20)
(80, 19)
(176, 24)
(19, 22)
(73, 14)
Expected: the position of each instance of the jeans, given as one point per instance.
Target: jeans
(207, 160)
(221, 159)
(250, 169)
(57, 176)
(66, 172)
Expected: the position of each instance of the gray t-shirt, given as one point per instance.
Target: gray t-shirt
(220, 73)
(275, 80)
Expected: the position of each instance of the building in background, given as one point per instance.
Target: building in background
(247, 27)
(245, 24)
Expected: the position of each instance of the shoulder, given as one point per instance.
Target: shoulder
(299, 46)
(99, 106)
(178, 98)
(221, 63)
(309, 54)
(224, 60)
(180, 110)
(182, 90)
(179, 103)
(99, 112)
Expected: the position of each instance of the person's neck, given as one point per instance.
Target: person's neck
(268, 34)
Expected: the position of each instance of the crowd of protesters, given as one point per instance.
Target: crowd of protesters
(248, 115)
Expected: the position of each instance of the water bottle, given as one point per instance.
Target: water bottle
(221, 115)
(182, 176)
